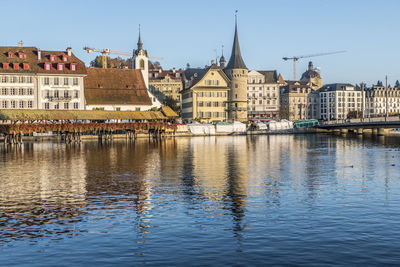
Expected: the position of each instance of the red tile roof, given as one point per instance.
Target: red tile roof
(115, 87)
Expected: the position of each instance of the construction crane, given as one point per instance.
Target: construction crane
(104, 52)
(307, 56)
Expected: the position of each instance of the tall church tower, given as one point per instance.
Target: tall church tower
(140, 60)
(237, 71)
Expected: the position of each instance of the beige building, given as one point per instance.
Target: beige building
(298, 101)
(312, 76)
(205, 94)
(376, 101)
(263, 90)
(163, 83)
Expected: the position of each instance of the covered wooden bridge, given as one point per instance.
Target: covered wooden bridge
(71, 124)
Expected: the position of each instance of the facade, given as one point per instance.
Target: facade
(237, 72)
(34, 79)
(60, 80)
(205, 94)
(298, 101)
(163, 83)
(118, 90)
(312, 76)
(376, 101)
(340, 101)
(263, 90)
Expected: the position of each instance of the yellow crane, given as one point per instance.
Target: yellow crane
(105, 51)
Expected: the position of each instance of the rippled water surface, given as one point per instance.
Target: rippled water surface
(305, 200)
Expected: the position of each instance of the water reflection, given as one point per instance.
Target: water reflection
(208, 186)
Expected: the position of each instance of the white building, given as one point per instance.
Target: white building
(376, 101)
(340, 101)
(263, 94)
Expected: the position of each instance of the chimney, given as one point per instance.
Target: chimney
(39, 55)
(173, 70)
(69, 51)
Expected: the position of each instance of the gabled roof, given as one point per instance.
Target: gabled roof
(115, 87)
(270, 76)
(195, 75)
(30, 58)
(236, 60)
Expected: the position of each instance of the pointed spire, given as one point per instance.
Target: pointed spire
(140, 44)
(236, 61)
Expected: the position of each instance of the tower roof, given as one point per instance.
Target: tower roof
(139, 43)
(236, 60)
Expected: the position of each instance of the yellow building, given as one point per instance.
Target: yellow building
(205, 94)
(163, 83)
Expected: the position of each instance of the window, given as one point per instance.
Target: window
(46, 106)
(76, 94)
(56, 94)
(13, 79)
(76, 105)
(46, 81)
(57, 106)
(65, 58)
(141, 64)
(66, 81)
(75, 81)
(52, 58)
(47, 66)
(20, 91)
(66, 94)
(13, 104)
(21, 55)
(73, 67)
(56, 81)
(30, 91)
(236, 85)
(4, 79)
(6, 66)
(118, 109)
(137, 109)
(47, 93)
(10, 54)
(4, 104)
(21, 79)
(4, 91)
(13, 91)
(21, 104)
(29, 79)
(30, 104)
(60, 66)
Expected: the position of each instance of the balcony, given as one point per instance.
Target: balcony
(58, 98)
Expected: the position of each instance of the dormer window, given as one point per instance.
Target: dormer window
(16, 66)
(10, 54)
(65, 58)
(60, 66)
(5, 66)
(26, 66)
(73, 67)
(47, 66)
(52, 58)
(21, 55)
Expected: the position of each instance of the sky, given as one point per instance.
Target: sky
(193, 32)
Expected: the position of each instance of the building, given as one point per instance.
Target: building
(117, 89)
(35, 79)
(376, 101)
(237, 72)
(163, 83)
(205, 94)
(312, 76)
(60, 80)
(263, 90)
(140, 60)
(298, 101)
(340, 101)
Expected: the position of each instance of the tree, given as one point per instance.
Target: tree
(117, 62)
(397, 84)
(379, 83)
(172, 103)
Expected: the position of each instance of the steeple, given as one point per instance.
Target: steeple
(236, 61)
(140, 44)
(222, 60)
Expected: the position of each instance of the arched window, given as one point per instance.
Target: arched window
(141, 64)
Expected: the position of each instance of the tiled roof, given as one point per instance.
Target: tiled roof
(236, 60)
(115, 87)
(30, 58)
(45, 57)
(269, 75)
(163, 73)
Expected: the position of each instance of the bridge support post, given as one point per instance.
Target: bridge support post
(375, 131)
(344, 131)
(359, 130)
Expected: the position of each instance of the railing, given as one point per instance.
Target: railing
(59, 98)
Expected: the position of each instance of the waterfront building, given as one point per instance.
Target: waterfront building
(298, 101)
(60, 80)
(35, 79)
(376, 101)
(117, 89)
(340, 101)
(163, 83)
(237, 72)
(205, 94)
(312, 76)
(263, 90)
(18, 78)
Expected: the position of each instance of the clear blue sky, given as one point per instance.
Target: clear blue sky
(189, 32)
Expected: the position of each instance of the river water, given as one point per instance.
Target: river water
(271, 200)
